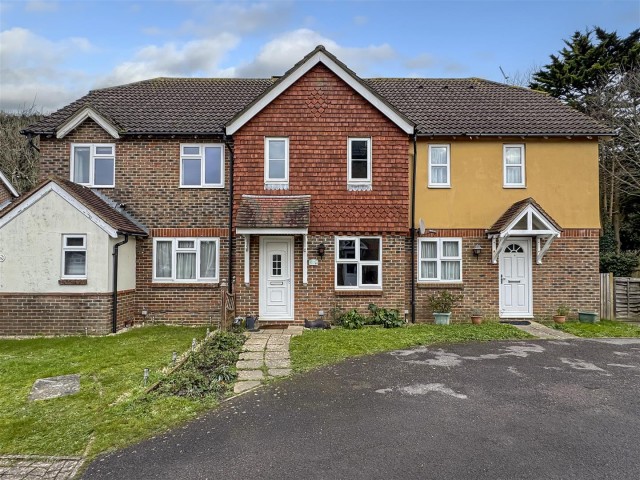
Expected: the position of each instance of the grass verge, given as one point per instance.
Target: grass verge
(604, 328)
(323, 347)
(111, 407)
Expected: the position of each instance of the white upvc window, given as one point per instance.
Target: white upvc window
(202, 165)
(186, 260)
(513, 162)
(359, 161)
(358, 263)
(93, 164)
(276, 161)
(74, 256)
(439, 166)
(440, 260)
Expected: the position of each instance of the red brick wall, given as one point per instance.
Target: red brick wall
(55, 314)
(5, 194)
(568, 275)
(320, 292)
(318, 134)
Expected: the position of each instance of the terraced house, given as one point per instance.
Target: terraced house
(314, 190)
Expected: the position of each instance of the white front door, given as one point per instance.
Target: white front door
(515, 279)
(276, 278)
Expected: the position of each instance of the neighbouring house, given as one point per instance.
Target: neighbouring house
(7, 192)
(314, 190)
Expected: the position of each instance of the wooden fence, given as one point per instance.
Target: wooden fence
(619, 297)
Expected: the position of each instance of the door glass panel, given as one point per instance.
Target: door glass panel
(276, 265)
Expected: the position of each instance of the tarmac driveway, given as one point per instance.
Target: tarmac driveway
(499, 410)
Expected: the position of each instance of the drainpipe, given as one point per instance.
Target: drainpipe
(413, 231)
(229, 143)
(114, 307)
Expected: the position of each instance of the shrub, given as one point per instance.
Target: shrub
(620, 264)
(563, 310)
(443, 302)
(384, 317)
(352, 319)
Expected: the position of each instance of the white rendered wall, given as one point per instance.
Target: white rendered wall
(126, 264)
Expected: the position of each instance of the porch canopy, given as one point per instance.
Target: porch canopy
(524, 219)
(273, 215)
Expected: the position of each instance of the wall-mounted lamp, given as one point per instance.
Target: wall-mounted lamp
(321, 248)
(477, 249)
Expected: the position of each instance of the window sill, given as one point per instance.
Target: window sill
(210, 285)
(359, 187)
(276, 186)
(358, 293)
(72, 281)
(522, 187)
(94, 186)
(440, 285)
(201, 187)
(439, 186)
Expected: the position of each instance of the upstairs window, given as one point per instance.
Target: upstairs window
(439, 166)
(276, 162)
(74, 256)
(358, 262)
(440, 260)
(359, 161)
(513, 160)
(93, 164)
(202, 166)
(184, 260)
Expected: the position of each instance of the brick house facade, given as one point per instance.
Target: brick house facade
(341, 146)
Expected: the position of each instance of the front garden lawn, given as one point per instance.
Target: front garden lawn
(604, 328)
(322, 347)
(110, 410)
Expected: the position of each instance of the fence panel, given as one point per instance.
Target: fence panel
(627, 298)
(607, 309)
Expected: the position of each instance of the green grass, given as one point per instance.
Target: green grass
(322, 347)
(110, 410)
(604, 328)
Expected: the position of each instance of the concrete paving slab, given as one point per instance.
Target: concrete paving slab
(251, 356)
(249, 364)
(541, 331)
(250, 375)
(243, 386)
(54, 387)
(279, 372)
(269, 355)
(254, 348)
(279, 363)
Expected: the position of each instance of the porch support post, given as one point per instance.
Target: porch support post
(496, 246)
(304, 259)
(247, 267)
(540, 252)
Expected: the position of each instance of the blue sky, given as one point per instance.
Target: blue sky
(53, 52)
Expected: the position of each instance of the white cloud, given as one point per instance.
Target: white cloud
(41, 6)
(197, 57)
(32, 69)
(280, 54)
(424, 60)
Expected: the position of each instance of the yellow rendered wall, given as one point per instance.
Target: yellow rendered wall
(561, 175)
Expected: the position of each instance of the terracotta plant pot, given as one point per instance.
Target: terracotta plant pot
(476, 319)
(559, 318)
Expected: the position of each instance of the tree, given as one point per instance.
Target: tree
(598, 73)
(18, 160)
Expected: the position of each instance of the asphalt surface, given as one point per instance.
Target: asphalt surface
(499, 410)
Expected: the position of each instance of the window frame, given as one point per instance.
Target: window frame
(360, 263)
(439, 259)
(201, 157)
(66, 249)
(522, 184)
(430, 183)
(360, 181)
(277, 181)
(92, 161)
(174, 255)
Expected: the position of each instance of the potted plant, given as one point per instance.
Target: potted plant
(441, 304)
(561, 314)
(476, 316)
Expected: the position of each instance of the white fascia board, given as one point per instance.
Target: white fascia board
(53, 187)
(7, 183)
(320, 57)
(530, 209)
(271, 231)
(80, 117)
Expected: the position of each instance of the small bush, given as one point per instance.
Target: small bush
(384, 317)
(209, 371)
(443, 302)
(620, 264)
(352, 319)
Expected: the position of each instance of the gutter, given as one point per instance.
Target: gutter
(534, 135)
(114, 306)
(229, 143)
(413, 230)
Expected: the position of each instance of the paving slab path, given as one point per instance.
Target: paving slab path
(29, 467)
(265, 355)
(541, 331)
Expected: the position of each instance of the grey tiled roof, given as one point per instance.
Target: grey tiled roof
(514, 210)
(465, 106)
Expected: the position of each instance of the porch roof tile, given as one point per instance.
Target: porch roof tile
(274, 211)
(514, 210)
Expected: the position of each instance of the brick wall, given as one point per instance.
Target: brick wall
(568, 275)
(5, 194)
(320, 292)
(318, 113)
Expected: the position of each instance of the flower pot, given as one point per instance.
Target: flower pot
(588, 317)
(559, 318)
(476, 319)
(442, 318)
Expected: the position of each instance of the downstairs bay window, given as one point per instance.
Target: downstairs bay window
(440, 260)
(185, 260)
(358, 263)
